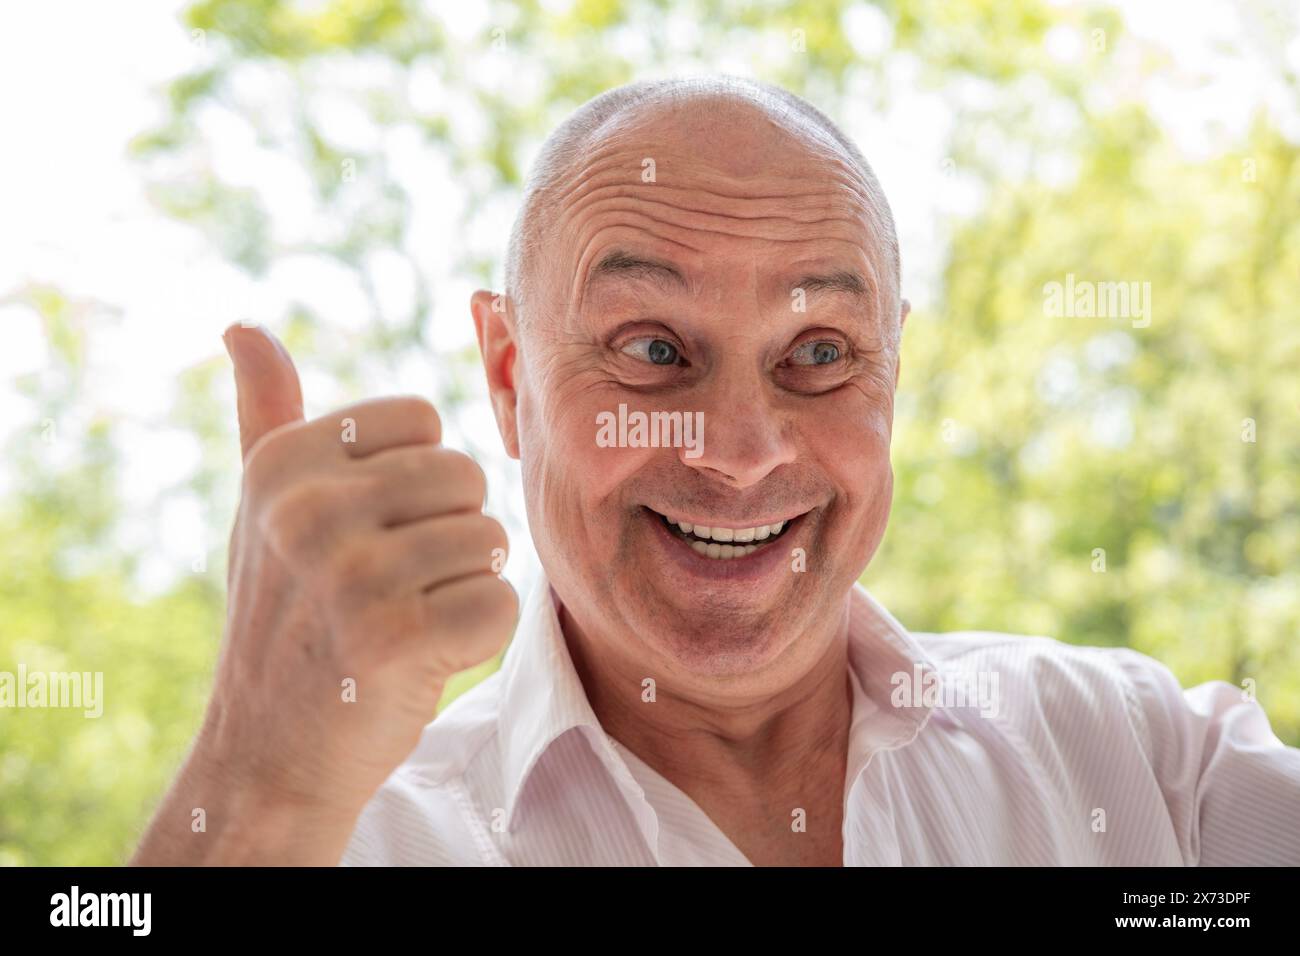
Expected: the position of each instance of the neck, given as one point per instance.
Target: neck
(728, 747)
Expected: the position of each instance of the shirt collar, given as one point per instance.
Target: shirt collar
(543, 697)
(883, 656)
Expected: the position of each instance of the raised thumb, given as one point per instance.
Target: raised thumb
(265, 381)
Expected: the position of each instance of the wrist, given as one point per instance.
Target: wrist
(255, 823)
(216, 816)
(249, 828)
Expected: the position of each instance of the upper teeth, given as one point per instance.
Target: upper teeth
(705, 533)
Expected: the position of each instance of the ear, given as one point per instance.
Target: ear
(497, 343)
(904, 310)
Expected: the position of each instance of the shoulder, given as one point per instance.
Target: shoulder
(1072, 679)
(1066, 697)
(1049, 662)
(425, 813)
(1057, 692)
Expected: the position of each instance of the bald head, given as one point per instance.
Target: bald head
(702, 100)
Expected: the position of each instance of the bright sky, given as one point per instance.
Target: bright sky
(80, 79)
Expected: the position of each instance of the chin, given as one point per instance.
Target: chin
(716, 642)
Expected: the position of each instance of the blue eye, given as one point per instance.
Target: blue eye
(816, 353)
(656, 351)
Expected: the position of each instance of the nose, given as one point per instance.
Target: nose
(745, 438)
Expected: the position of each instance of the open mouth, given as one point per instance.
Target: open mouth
(724, 544)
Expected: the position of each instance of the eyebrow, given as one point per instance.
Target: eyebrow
(620, 263)
(839, 281)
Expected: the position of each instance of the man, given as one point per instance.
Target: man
(698, 679)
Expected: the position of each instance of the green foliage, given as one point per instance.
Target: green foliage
(75, 790)
(1075, 434)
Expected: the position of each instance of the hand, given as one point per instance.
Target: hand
(362, 576)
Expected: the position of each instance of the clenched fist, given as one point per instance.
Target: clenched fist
(363, 574)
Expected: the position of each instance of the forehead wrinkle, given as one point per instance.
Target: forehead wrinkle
(601, 189)
(807, 209)
(768, 230)
(618, 171)
(768, 217)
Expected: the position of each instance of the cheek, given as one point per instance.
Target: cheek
(852, 447)
(572, 474)
(851, 441)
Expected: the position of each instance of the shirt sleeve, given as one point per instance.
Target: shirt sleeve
(1231, 786)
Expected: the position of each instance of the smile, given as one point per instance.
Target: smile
(721, 543)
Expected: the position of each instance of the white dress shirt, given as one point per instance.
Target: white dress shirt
(1084, 755)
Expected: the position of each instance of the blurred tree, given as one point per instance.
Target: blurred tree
(75, 789)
